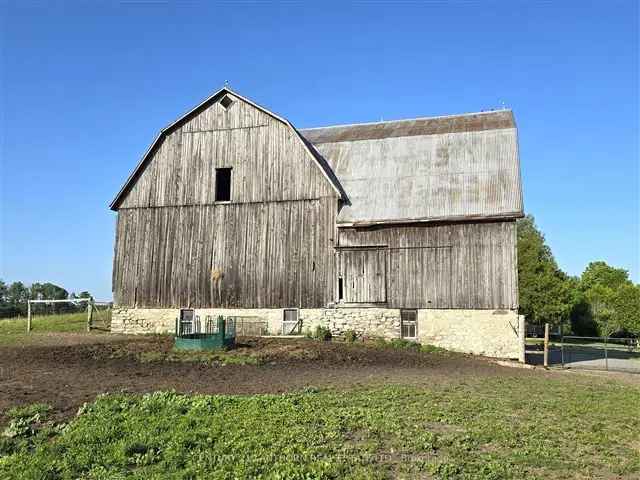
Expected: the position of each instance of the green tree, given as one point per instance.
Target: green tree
(610, 302)
(626, 306)
(599, 273)
(48, 291)
(3, 292)
(545, 291)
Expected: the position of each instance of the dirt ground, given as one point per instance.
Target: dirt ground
(66, 370)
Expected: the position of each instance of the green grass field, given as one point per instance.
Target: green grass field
(68, 322)
(499, 428)
(53, 323)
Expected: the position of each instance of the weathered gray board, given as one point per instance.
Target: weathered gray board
(464, 265)
(269, 163)
(272, 244)
(363, 274)
(274, 254)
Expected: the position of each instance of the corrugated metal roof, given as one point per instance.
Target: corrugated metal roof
(428, 169)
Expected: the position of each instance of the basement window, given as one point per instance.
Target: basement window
(290, 321)
(408, 323)
(223, 184)
(226, 102)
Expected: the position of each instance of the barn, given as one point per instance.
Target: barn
(395, 228)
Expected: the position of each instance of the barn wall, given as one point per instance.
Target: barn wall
(273, 243)
(465, 265)
(274, 254)
(269, 162)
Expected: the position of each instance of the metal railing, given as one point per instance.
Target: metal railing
(212, 326)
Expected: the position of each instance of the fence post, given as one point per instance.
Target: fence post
(89, 315)
(28, 316)
(521, 333)
(606, 355)
(562, 347)
(546, 345)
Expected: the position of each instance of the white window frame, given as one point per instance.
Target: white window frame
(409, 323)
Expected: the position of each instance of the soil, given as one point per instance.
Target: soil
(66, 370)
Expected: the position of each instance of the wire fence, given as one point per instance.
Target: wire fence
(597, 353)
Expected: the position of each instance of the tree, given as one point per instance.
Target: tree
(545, 291)
(599, 273)
(610, 302)
(626, 306)
(48, 291)
(17, 296)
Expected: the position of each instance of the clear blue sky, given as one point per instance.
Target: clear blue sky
(86, 87)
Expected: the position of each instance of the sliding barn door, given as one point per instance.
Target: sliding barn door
(362, 275)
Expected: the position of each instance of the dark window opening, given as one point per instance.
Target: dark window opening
(223, 184)
(226, 102)
(340, 292)
(408, 322)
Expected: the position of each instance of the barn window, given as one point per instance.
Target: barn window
(290, 321)
(408, 323)
(340, 290)
(223, 184)
(226, 102)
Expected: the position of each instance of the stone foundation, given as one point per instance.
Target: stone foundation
(494, 333)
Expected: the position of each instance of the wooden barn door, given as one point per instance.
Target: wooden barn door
(362, 275)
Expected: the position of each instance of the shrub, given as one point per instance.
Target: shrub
(322, 334)
(350, 336)
(402, 344)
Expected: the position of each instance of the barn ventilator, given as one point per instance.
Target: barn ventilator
(216, 333)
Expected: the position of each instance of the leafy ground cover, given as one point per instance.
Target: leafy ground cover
(491, 428)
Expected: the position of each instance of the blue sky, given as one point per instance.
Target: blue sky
(86, 87)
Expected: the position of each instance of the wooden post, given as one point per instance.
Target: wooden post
(522, 329)
(89, 315)
(546, 345)
(28, 316)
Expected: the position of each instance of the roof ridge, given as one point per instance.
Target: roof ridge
(486, 112)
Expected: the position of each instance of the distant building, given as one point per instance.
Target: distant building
(400, 228)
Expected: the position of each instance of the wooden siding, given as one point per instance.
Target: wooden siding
(270, 163)
(466, 265)
(363, 273)
(274, 254)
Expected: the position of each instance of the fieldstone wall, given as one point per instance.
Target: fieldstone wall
(143, 320)
(370, 322)
(494, 333)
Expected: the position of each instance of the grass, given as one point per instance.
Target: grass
(497, 428)
(13, 331)
(67, 322)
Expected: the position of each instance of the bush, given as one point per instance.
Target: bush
(402, 344)
(350, 336)
(322, 334)
(397, 343)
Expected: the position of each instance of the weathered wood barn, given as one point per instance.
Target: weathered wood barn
(400, 228)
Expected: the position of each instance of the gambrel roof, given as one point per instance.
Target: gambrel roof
(317, 158)
(459, 167)
(449, 168)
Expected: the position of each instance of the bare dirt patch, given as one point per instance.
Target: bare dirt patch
(66, 370)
